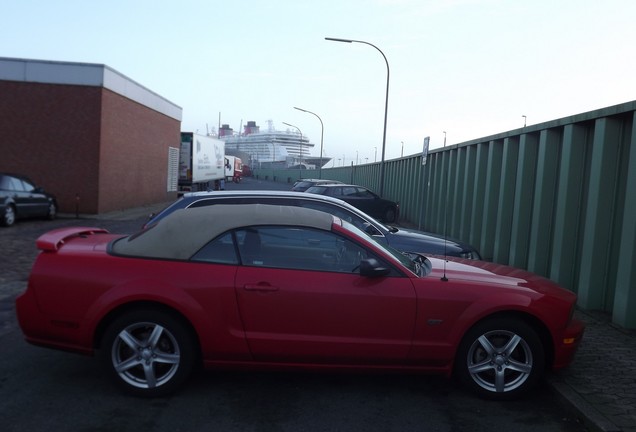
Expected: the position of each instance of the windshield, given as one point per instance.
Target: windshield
(415, 263)
(320, 190)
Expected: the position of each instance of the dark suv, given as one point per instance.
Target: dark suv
(20, 199)
(401, 239)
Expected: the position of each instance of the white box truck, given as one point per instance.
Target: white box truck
(233, 169)
(201, 162)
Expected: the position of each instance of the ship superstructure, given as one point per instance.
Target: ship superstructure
(272, 148)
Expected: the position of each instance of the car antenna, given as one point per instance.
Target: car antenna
(444, 278)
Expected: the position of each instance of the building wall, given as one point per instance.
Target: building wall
(133, 167)
(51, 133)
(91, 136)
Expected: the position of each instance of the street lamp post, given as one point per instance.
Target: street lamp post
(300, 150)
(402, 153)
(322, 131)
(386, 103)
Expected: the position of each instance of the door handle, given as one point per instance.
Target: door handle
(262, 287)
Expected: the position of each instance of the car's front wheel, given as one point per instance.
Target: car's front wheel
(500, 358)
(52, 211)
(149, 353)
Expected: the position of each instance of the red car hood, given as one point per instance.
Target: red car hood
(488, 273)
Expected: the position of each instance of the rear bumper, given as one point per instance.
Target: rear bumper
(41, 330)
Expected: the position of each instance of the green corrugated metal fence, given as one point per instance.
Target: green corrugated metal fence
(557, 198)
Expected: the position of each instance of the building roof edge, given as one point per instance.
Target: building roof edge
(85, 74)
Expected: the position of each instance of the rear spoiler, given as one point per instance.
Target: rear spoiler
(52, 240)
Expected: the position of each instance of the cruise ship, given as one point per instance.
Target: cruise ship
(270, 149)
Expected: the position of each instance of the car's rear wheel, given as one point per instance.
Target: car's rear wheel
(8, 217)
(149, 353)
(500, 358)
(390, 215)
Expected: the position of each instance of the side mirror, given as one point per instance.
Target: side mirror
(371, 267)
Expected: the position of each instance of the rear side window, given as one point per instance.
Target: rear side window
(219, 251)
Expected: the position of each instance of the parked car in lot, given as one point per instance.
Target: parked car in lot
(21, 199)
(399, 238)
(303, 184)
(362, 198)
(276, 287)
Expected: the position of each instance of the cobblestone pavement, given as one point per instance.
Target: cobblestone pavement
(600, 384)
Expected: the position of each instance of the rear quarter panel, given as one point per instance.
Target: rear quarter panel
(82, 289)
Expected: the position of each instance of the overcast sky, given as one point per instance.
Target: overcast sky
(471, 68)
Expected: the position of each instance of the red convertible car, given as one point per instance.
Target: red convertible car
(286, 287)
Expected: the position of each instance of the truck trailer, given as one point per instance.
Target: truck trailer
(233, 169)
(201, 162)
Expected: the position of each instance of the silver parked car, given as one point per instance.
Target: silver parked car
(404, 240)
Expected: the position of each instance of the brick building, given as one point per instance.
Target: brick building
(88, 134)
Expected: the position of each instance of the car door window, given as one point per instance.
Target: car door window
(28, 187)
(298, 248)
(220, 250)
(349, 191)
(337, 191)
(16, 185)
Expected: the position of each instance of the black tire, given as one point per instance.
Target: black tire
(8, 216)
(500, 359)
(52, 212)
(149, 353)
(390, 215)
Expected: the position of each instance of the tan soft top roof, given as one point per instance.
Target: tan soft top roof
(182, 233)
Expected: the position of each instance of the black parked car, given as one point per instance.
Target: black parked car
(303, 184)
(20, 199)
(361, 198)
(401, 239)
